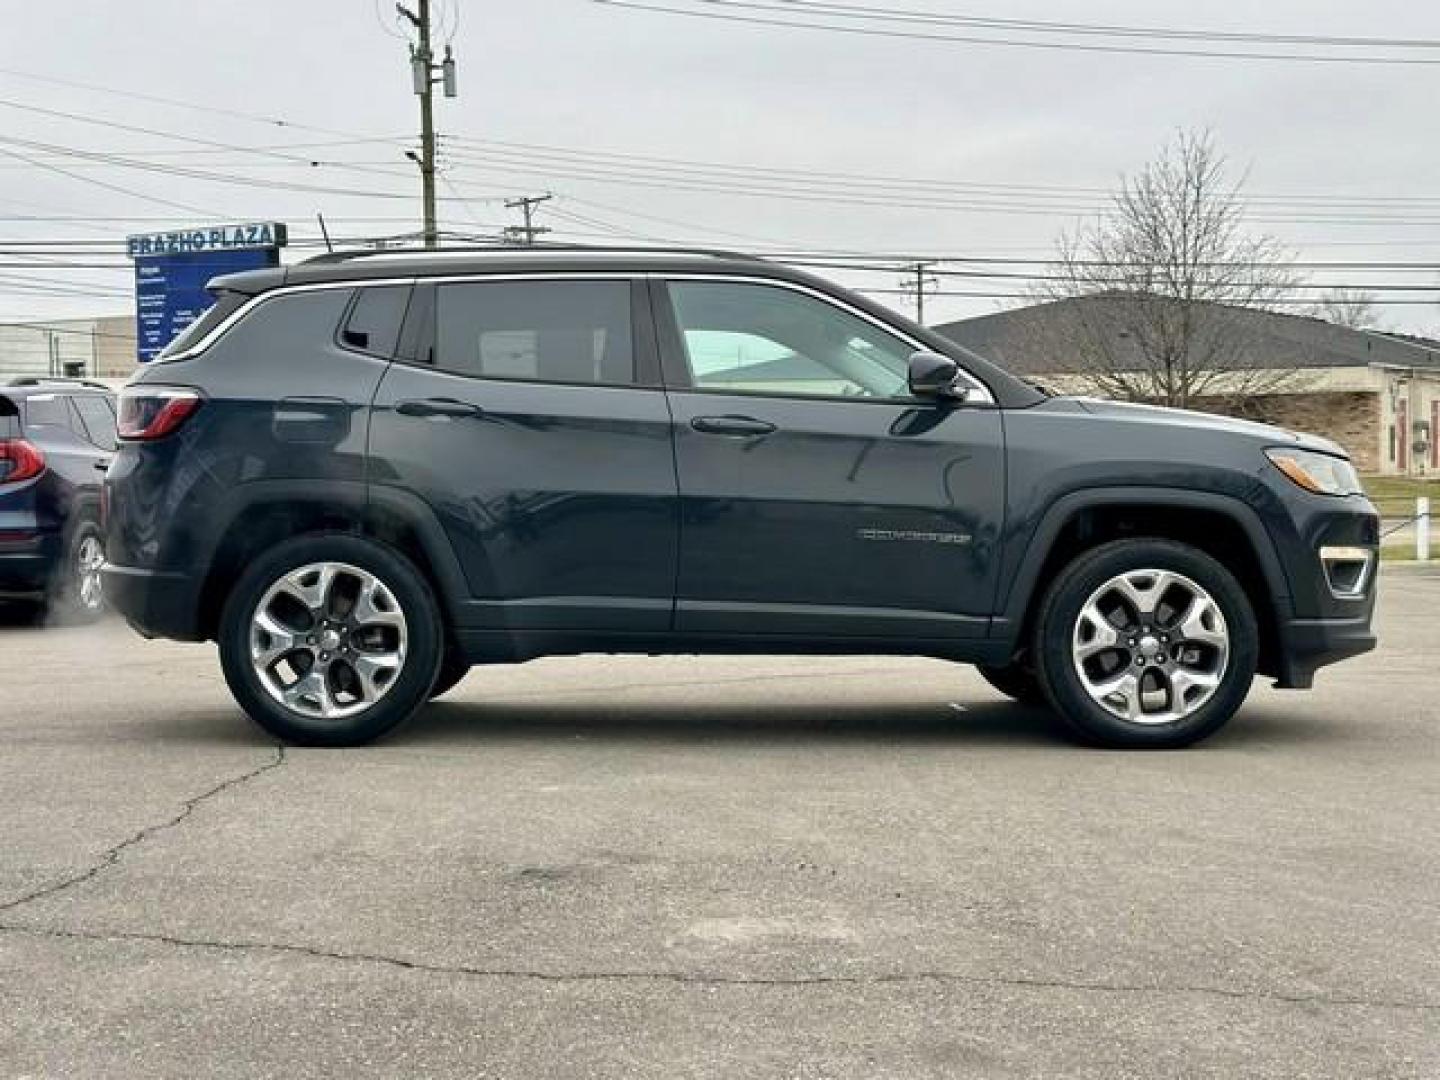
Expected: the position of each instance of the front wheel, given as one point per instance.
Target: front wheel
(1146, 643)
(331, 640)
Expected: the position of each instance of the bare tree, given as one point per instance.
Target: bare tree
(1354, 308)
(1163, 287)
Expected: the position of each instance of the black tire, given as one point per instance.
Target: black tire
(76, 594)
(406, 692)
(1056, 625)
(1015, 681)
(452, 671)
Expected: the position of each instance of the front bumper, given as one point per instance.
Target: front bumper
(156, 604)
(1306, 645)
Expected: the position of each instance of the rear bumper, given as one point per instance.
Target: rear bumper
(25, 574)
(1310, 644)
(27, 561)
(154, 603)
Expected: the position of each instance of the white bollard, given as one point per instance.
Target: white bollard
(1422, 528)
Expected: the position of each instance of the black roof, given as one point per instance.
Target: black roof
(495, 259)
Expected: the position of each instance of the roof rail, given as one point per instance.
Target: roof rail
(57, 380)
(540, 248)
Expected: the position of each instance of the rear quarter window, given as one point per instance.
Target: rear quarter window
(373, 323)
(225, 304)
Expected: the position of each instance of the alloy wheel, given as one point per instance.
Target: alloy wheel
(1150, 646)
(89, 558)
(328, 640)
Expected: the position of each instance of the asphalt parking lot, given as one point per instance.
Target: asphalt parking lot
(715, 867)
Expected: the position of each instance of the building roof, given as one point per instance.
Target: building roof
(1033, 340)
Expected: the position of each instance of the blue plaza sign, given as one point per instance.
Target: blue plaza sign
(172, 268)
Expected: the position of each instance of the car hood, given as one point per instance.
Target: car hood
(1188, 418)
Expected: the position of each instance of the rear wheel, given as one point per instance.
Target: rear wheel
(1146, 643)
(331, 640)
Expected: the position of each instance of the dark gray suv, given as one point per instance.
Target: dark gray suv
(364, 474)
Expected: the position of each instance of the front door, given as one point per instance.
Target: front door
(817, 495)
(532, 422)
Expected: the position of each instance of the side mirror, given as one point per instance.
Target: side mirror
(934, 375)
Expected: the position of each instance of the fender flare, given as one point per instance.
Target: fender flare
(359, 499)
(1018, 589)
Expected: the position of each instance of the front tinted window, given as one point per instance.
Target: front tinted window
(550, 331)
(766, 339)
(375, 318)
(99, 420)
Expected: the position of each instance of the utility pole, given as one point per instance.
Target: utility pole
(425, 73)
(526, 233)
(918, 279)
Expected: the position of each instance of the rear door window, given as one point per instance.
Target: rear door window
(575, 332)
(373, 322)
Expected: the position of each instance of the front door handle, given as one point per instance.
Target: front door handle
(731, 425)
(438, 407)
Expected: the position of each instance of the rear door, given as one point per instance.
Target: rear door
(530, 419)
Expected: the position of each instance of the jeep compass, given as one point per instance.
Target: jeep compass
(366, 473)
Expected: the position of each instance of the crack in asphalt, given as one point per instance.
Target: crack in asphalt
(703, 979)
(112, 855)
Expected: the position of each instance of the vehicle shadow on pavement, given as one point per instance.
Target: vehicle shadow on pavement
(994, 723)
(984, 724)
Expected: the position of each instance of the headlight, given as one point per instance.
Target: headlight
(1320, 473)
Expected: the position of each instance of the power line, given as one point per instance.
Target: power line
(863, 11)
(202, 174)
(101, 183)
(155, 99)
(788, 12)
(887, 182)
(190, 139)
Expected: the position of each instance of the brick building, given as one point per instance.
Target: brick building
(1376, 394)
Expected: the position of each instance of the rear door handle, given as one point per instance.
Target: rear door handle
(438, 407)
(731, 425)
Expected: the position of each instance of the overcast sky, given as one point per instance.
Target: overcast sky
(573, 78)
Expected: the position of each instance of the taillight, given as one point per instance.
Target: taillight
(20, 460)
(153, 412)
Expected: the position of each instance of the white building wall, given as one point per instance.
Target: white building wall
(46, 349)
